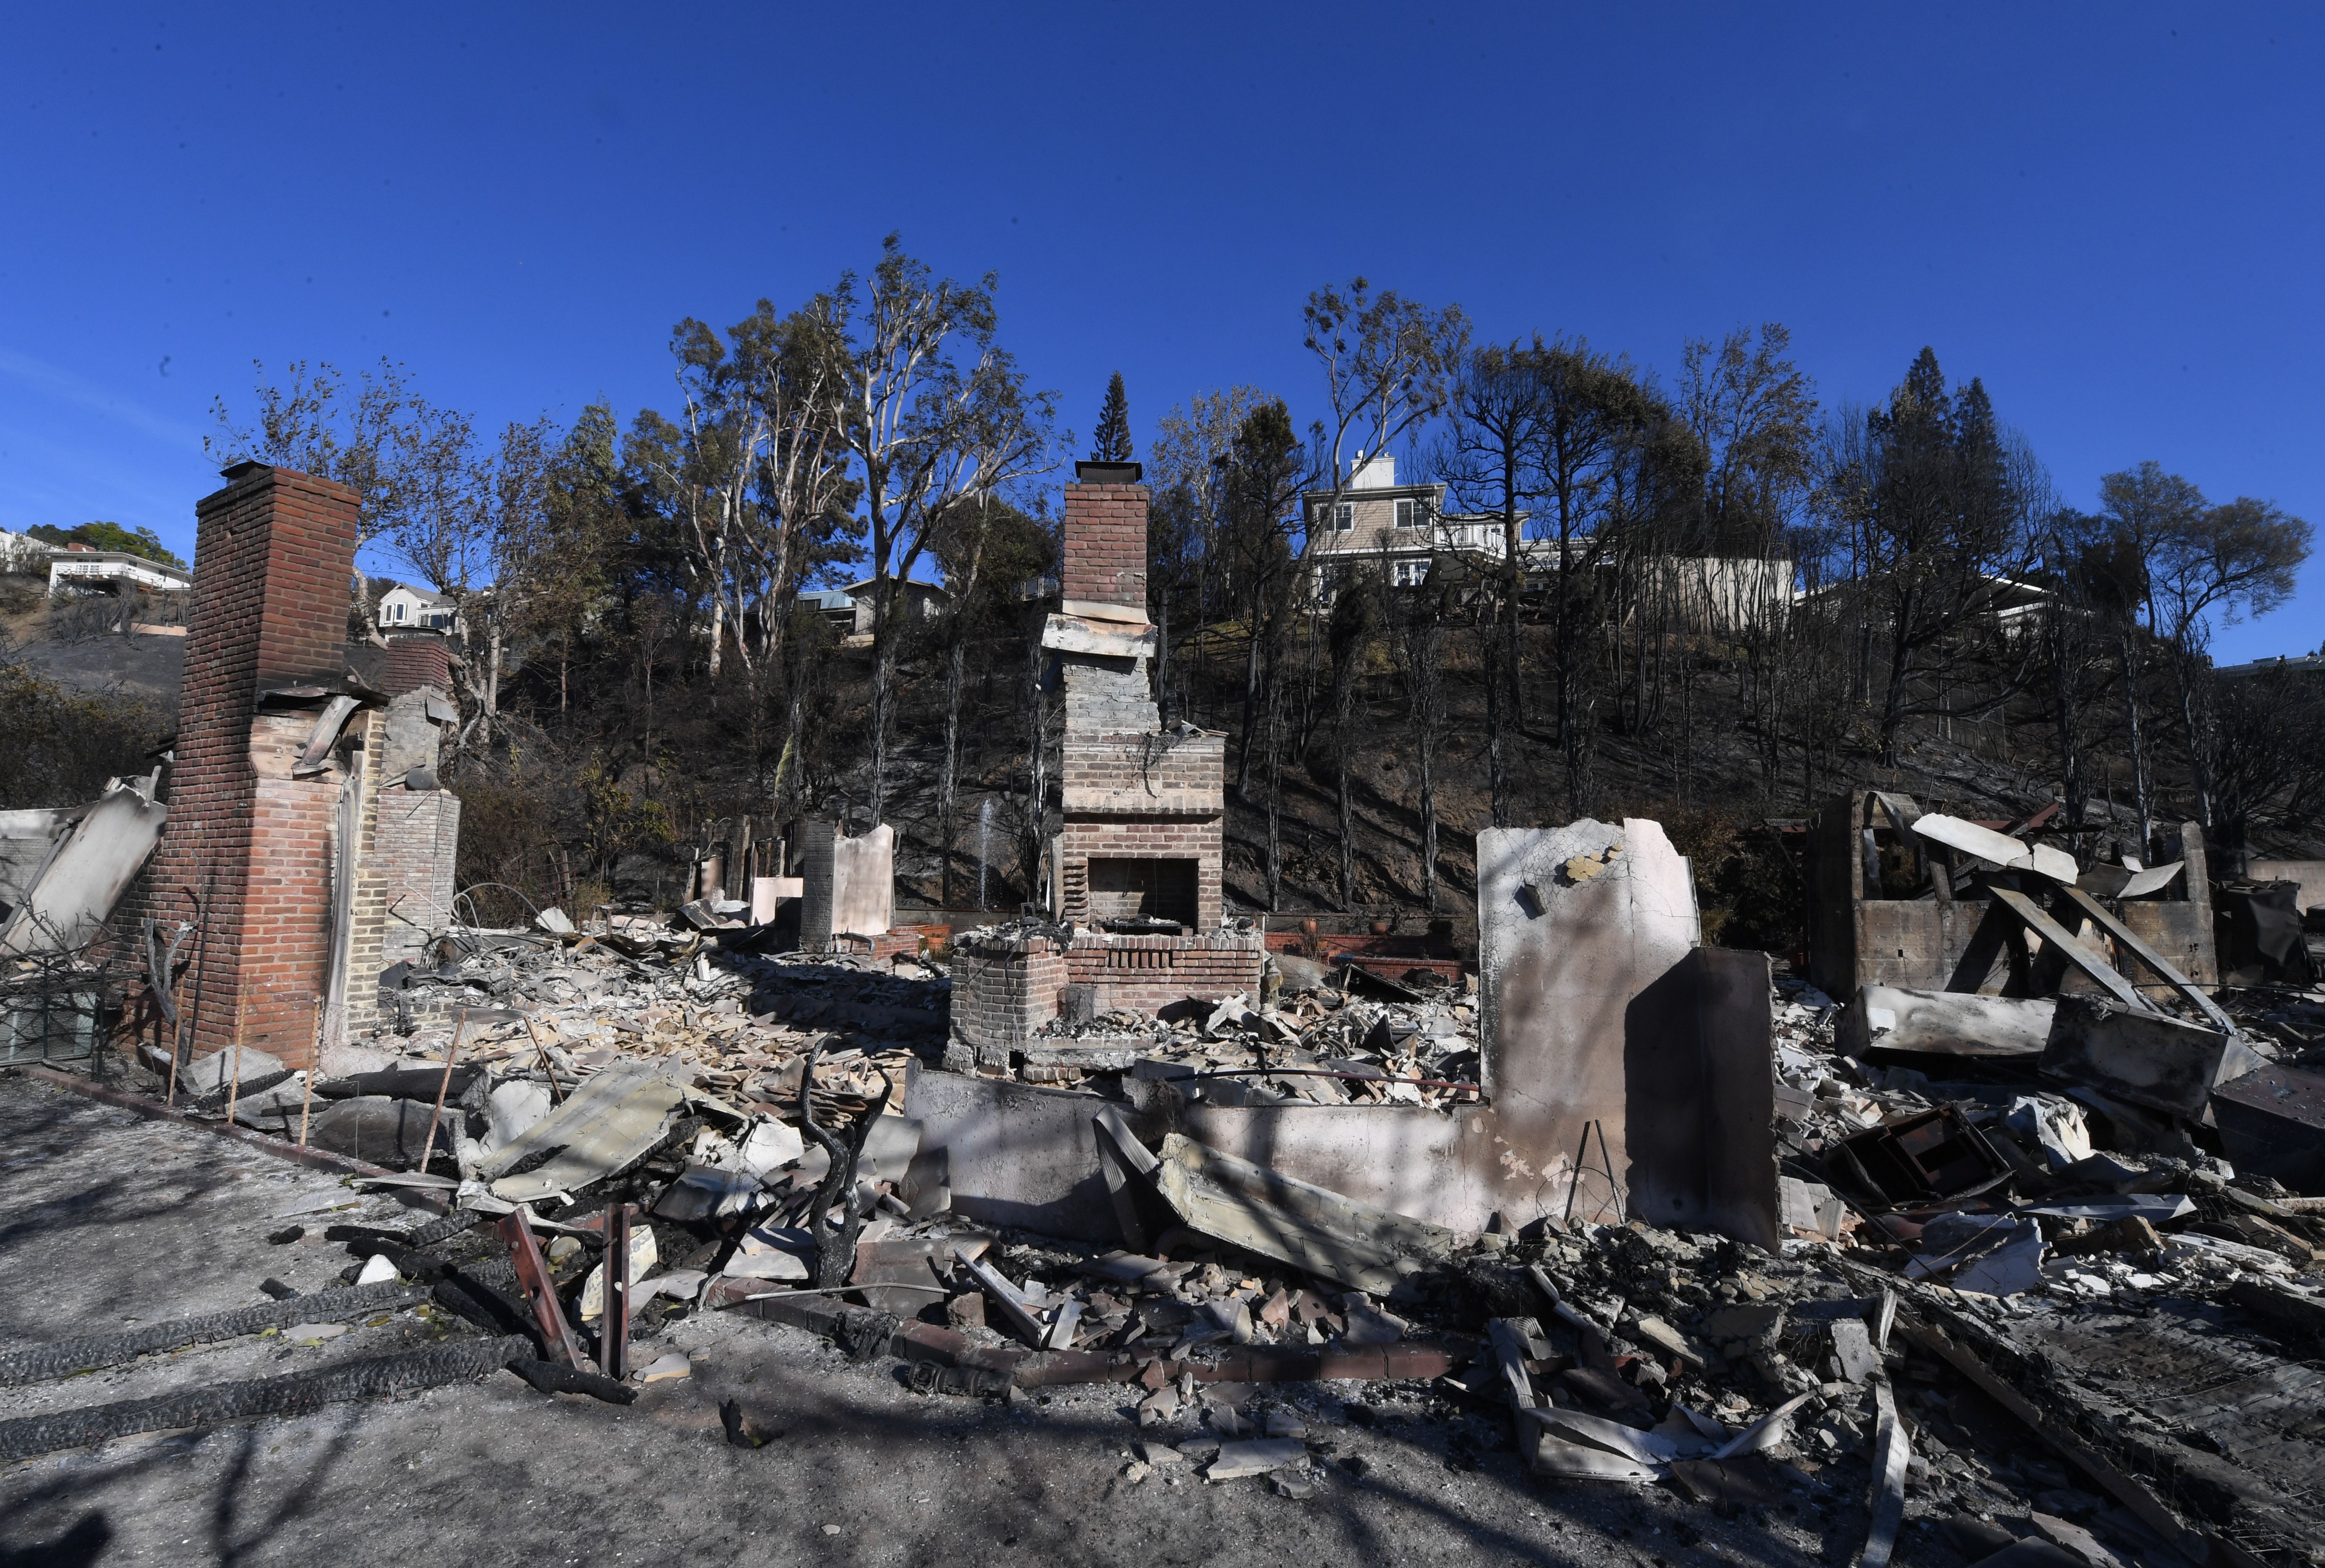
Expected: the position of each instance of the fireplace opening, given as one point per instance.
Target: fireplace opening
(1129, 889)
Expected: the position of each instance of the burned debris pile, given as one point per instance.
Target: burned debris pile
(1311, 1034)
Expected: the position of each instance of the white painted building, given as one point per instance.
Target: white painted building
(77, 567)
(403, 608)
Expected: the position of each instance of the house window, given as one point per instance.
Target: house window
(1344, 518)
(1405, 513)
(1409, 573)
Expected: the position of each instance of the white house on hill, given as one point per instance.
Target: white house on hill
(77, 566)
(403, 608)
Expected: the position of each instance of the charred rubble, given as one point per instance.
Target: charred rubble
(2005, 1222)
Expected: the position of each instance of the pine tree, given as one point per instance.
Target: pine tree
(1114, 425)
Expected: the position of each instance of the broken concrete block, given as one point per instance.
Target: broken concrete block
(209, 1075)
(1809, 1208)
(1852, 1347)
(2146, 1058)
(1753, 1325)
(1255, 1457)
(384, 1131)
(1891, 1018)
(1296, 1483)
(1662, 1336)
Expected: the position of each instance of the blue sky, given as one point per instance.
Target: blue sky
(2109, 213)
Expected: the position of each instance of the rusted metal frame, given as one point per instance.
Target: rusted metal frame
(539, 1289)
(614, 1336)
(2073, 952)
(2097, 913)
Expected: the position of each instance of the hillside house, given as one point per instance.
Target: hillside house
(849, 609)
(1401, 528)
(403, 608)
(78, 568)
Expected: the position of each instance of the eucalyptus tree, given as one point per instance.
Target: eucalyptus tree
(932, 412)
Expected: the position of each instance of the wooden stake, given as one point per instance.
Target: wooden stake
(556, 1092)
(613, 1325)
(443, 1084)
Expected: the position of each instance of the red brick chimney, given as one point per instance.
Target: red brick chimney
(247, 843)
(1105, 572)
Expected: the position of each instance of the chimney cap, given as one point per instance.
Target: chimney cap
(240, 470)
(1090, 471)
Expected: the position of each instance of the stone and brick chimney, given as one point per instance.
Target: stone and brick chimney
(258, 841)
(1144, 831)
(1144, 809)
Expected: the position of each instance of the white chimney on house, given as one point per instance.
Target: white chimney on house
(1377, 472)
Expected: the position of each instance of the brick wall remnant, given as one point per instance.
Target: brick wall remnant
(249, 851)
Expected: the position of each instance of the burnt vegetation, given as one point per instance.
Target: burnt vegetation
(1715, 600)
